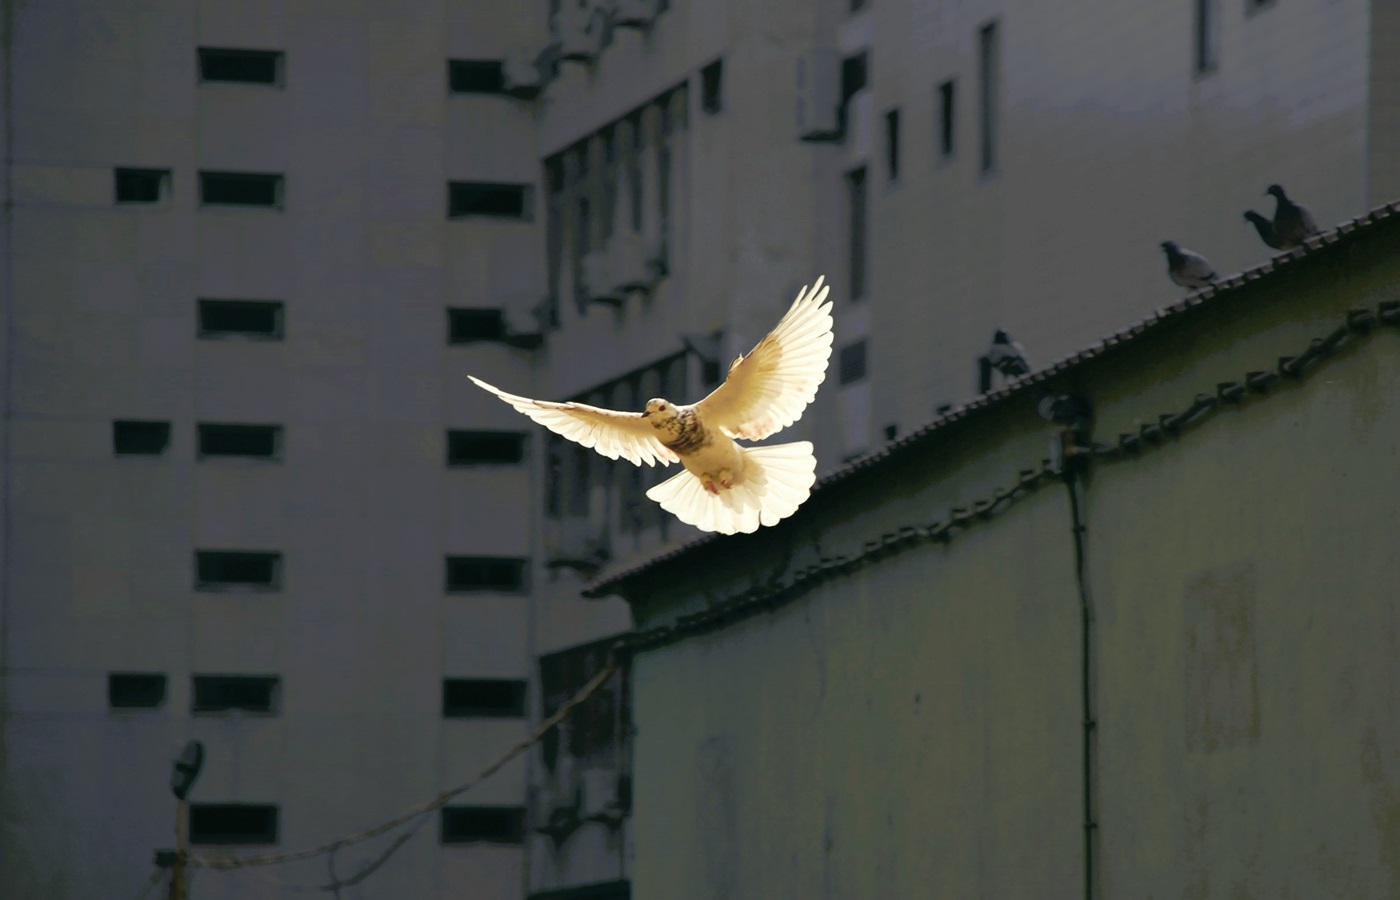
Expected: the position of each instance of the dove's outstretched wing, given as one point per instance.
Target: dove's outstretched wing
(614, 434)
(767, 390)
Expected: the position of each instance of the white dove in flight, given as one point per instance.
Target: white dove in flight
(725, 487)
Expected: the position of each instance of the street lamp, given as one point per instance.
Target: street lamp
(182, 777)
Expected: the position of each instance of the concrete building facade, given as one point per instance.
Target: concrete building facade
(252, 250)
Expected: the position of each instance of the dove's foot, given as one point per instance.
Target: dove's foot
(710, 486)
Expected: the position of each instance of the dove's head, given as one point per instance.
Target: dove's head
(659, 412)
(1276, 190)
(1171, 247)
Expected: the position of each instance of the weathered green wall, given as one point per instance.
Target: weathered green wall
(913, 729)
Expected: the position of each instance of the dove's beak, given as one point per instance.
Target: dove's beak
(646, 413)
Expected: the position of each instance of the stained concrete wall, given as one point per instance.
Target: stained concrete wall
(913, 727)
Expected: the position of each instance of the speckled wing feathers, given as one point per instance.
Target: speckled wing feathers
(768, 390)
(616, 435)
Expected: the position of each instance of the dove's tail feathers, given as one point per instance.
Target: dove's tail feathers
(776, 480)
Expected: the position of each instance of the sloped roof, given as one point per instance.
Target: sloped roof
(1342, 234)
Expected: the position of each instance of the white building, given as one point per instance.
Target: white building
(389, 222)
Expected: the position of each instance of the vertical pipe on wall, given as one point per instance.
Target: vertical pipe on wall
(1087, 672)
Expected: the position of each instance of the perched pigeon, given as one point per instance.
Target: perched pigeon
(1265, 226)
(1293, 224)
(725, 487)
(1007, 356)
(1190, 270)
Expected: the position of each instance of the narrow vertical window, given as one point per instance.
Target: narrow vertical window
(712, 87)
(892, 145)
(947, 95)
(855, 191)
(988, 65)
(1206, 36)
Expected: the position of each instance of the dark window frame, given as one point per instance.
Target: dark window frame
(947, 118)
(491, 444)
(212, 433)
(497, 698)
(989, 98)
(476, 76)
(224, 184)
(455, 821)
(271, 586)
(135, 683)
(858, 231)
(216, 306)
(853, 365)
(201, 813)
(712, 87)
(892, 142)
(458, 564)
(1205, 36)
(489, 325)
(133, 429)
(483, 205)
(229, 58)
(202, 704)
(126, 179)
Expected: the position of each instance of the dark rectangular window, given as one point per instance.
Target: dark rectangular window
(988, 66)
(1206, 36)
(142, 185)
(892, 145)
(233, 823)
(485, 698)
(258, 319)
(712, 87)
(485, 573)
(240, 189)
(947, 117)
(855, 74)
(136, 438)
(246, 441)
(479, 198)
(852, 363)
(855, 198)
(135, 690)
(221, 693)
(476, 448)
(466, 326)
(483, 824)
(475, 76)
(240, 66)
(218, 569)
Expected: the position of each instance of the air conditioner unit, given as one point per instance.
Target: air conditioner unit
(578, 32)
(860, 125)
(522, 73)
(633, 265)
(635, 13)
(597, 278)
(819, 95)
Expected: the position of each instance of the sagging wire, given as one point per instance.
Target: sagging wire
(1360, 323)
(226, 862)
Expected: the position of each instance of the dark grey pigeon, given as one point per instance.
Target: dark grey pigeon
(1265, 226)
(1293, 224)
(1007, 356)
(1190, 270)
